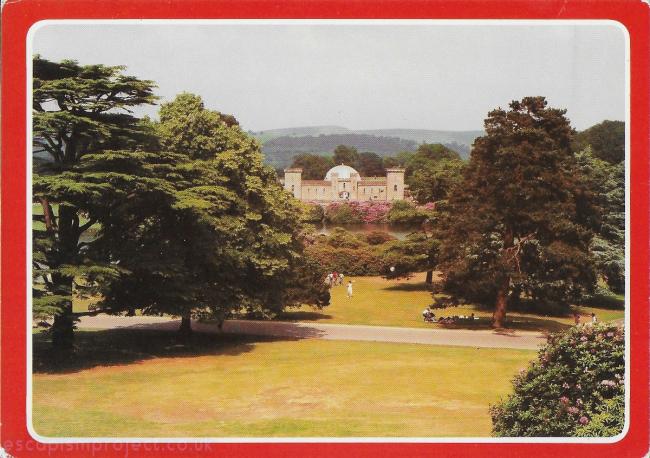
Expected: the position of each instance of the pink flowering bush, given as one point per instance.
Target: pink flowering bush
(357, 212)
(576, 387)
(374, 212)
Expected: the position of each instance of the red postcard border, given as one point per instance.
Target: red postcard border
(19, 16)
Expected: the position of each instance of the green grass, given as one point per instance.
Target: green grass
(383, 302)
(125, 383)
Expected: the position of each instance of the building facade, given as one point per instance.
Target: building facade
(343, 183)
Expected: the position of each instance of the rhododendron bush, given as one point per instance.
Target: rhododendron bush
(576, 387)
(399, 212)
(357, 212)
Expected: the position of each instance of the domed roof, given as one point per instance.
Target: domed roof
(343, 171)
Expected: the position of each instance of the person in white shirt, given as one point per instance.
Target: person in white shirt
(349, 289)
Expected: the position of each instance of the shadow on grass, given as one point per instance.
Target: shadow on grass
(605, 301)
(512, 325)
(422, 286)
(300, 315)
(114, 347)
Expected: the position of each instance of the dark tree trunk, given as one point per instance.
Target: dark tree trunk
(499, 315)
(185, 330)
(63, 327)
(503, 293)
(429, 279)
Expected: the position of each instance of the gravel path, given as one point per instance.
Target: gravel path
(302, 330)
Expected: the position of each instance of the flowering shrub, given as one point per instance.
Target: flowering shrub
(575, 387)
(398, 212)
(357, 212)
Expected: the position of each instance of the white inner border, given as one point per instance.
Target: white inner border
(315, 22)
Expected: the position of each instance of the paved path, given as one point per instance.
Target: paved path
(302, 330)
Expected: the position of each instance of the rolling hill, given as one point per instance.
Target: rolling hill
(281, 145)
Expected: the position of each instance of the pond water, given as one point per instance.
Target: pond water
(399, 232)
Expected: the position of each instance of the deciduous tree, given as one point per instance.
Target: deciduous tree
(607, 141)
(230, 242)
(345, 155)
(314, 167)
(370, 165)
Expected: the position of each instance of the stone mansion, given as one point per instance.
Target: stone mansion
(343, 183)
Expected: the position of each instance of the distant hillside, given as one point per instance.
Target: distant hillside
(279, 152)
(266, 135)
(281, 145)
(462, 137)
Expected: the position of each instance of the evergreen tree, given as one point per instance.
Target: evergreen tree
(76, 110)
(520, 222)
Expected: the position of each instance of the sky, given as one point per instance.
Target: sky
(361, 76)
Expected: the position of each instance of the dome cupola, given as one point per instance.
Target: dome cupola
(342, 171)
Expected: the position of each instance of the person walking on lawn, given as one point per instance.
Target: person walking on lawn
(349, 289)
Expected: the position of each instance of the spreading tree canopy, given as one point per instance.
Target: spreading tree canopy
(230, 240)
(83, 108)
(520, 221)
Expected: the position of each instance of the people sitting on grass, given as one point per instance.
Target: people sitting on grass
(457, 319)
(428, 315)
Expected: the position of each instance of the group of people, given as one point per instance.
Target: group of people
(336, 279)
(576, 318)
(430, 317)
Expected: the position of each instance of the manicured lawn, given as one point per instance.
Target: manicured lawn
(383, 302)
(145, 383)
